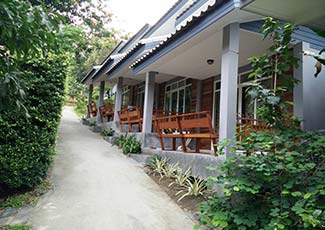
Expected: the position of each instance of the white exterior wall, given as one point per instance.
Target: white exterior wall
(309, 94)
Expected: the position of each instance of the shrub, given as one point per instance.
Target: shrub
(282, 186)
(27, 145)
(119, 141)
(131, 145)
(92, 123)
(108, 133)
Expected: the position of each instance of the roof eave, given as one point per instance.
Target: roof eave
(193, 27)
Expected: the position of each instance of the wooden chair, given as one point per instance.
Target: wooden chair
(130, 117)
(123, 118)
(134, 117)
(92, 109)
(106, 111)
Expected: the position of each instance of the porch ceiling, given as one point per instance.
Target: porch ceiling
(309, 13)
(190, 60)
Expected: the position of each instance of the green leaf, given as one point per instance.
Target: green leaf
(295, 194)
(307, 196)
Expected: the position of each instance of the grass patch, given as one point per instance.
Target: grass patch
(27, 198)
(16, 227)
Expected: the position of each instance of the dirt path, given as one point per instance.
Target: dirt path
(97, 188)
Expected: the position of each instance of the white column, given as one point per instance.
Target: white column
(118, 98)
(298, 73)
(149, 93)
(229, 75)
(100, 99)
(90, 95)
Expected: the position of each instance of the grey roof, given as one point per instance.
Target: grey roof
(90, 73)
(162, 17)
(190, 23)
(188, 8)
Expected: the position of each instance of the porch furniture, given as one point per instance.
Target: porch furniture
(245, 126)
(106, 111)
(92, 109)
(196, 126)
(130, 117)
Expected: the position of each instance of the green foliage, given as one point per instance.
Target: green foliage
(26, 31)
(170, 170)
(193, 187)
(12, 86)
(151, 160)
(26, 198)
(16, 227)
(282, 186)
(131, 145)
(25, 28)
(108, 133)
(181, 177)
(158, 165)
(91, 15)
(128, 144)
(27, 145)
(92, 123)
(120, 141)
(277, 65)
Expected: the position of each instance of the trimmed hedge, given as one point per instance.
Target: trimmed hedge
(27, 144)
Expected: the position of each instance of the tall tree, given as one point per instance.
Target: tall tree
(25, 31)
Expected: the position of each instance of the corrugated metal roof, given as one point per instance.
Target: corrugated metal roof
(90, 73)
(187, 9)
(162, 17)
(191, 22)
(127, 54)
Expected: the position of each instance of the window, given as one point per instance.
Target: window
(140, 96)
(246, 106)
(126, 95)
(216, 103)
(178, 97)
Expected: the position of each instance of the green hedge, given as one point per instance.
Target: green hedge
(281, 185)
(27, 144)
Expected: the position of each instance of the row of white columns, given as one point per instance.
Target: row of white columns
(228, 97)
(229, 73)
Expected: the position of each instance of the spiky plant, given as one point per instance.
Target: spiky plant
(181, 177)
(159, 166)
(195, 187)
(170, 170)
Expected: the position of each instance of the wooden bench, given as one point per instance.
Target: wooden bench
(196, 126)
(130, 117)
(106, 111)
(92, 109)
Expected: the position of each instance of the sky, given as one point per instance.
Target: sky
(131, 15)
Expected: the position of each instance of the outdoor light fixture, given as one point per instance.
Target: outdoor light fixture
(210, 61)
